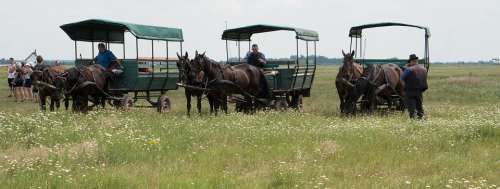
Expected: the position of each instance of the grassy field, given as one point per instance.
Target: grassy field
(458, 146)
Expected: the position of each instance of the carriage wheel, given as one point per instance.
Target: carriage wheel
(281, 104)
(163, 104)
(297, 104)
(126, 103)
(239, 107)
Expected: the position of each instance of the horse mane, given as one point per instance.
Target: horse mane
(212, 67)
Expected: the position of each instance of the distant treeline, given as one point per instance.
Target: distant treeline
(49, 62)
(322, 60)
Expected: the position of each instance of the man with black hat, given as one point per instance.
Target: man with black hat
(255, 57)
(415, 78)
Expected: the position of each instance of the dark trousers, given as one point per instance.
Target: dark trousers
(414, 105)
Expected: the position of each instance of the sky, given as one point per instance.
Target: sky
(461, 30)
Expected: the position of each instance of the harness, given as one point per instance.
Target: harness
(43, 80)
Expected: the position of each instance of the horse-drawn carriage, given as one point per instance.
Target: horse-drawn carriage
(147, 78)
(288, 80)
(356, 35)
(360, 80)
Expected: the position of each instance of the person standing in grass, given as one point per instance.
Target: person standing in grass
(27, 90)
(40, 64)
(19, 84)
(11, 75)
(415, 78)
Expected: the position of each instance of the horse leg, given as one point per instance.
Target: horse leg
(224, 104)
(388, 99)
(58, 103)
(217, 104)
(400, 90)
(42, 102)
(52, 104)
(103, 102)
(198, 105)
(188, 102)
(74, 103)
(66, 102)
(210, 103)
(85, 103)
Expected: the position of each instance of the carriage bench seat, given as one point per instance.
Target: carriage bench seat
(271, 72)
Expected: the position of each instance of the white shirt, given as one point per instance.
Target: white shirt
(12, 71)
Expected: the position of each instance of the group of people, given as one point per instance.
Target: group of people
(19, 81)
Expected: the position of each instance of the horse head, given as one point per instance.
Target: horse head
(187, 73)
(70, 78)
(201, 65)
(347, 70)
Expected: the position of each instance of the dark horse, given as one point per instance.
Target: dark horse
(224, 80)
(189, 78)
(347, 76)
(380, 83)
(84, 82)
(46, 82)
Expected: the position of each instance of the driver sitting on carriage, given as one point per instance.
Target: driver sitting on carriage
(255, 57)
(108, 61)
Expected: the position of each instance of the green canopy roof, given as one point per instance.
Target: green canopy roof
(113, 32)
(245, 33)
(356, 31)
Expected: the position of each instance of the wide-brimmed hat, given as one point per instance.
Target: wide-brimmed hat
(412, 57)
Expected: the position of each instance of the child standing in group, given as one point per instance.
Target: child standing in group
(11, 75)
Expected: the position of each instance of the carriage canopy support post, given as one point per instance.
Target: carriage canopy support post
(137, 48)
(123, 45)
(227, 52)
(356, 46)
(181, 47)
(297, 54)
(360, 48)
(166, 48)
(427, 59)
(307, 65)
(315, 62)
(350, 46)
(76, 51)
(239, 51)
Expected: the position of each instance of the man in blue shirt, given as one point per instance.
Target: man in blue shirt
(105, 58)
(255, 57)
(415, 78)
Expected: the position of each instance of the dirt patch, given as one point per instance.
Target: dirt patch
(464, 80)
(42, 153)
(110, 121)
(328, 147)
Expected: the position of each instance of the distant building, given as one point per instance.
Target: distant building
(495, 61)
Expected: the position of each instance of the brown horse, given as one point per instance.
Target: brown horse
(348, 74)
(188, 77)
(380, 83)
(46, 82)
(224, 80)
(84, 82)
